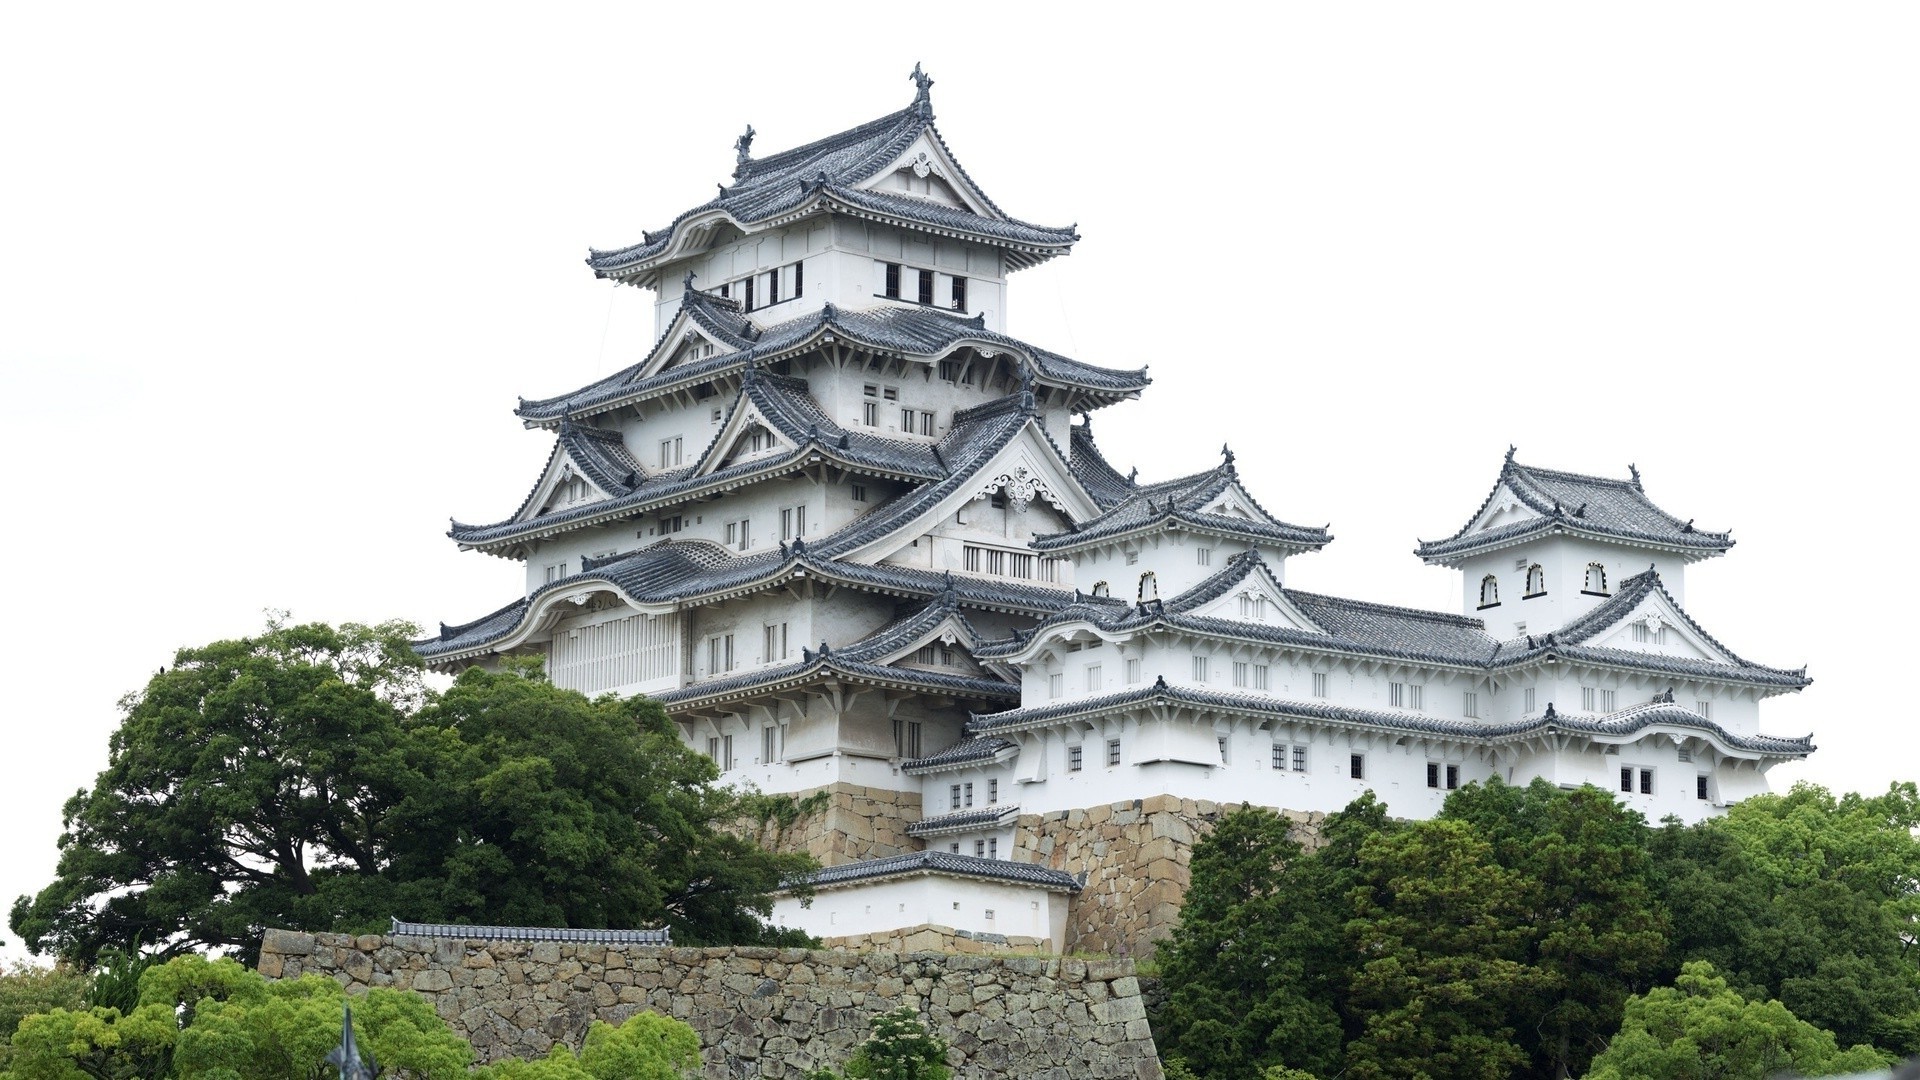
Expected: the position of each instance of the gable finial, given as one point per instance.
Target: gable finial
(1133, 472)
(687, 282)
(1026, 387)
(743, 148)
(1551, 715)
(1636, 476)
(1510, 449)
(923, 96)
(1227, 453)
(722, 197)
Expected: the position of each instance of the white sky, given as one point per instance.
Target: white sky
(269, 283)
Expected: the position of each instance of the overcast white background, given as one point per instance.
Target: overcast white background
(269, 285)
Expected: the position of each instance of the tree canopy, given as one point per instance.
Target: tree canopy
(1700, 1028)
(1513, 935)
(306, 778)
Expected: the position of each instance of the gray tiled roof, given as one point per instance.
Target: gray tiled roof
(1571, 502)
(677, 571)
(1626, 722)
(662, 937)
(863, 660)
(944, 862)
(975, 434)
(1102, 481)
(1355, 626)
(826, 174)
(964, 821)
(922, 332)
(1178, 503)
(968, 751)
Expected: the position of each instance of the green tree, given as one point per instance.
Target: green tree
(246, 787)
(1236, 967)
(1699, 1029)
(305, 779)
(216, 1020)
(25, 990)
(1809, 899)
(1439, 927)
(1597, 932)
(539, 807)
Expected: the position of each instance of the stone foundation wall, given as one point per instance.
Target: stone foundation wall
(1136, 856)
(856, 823)
(930, 938)
(776, 1013)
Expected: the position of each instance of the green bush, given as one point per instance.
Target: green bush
(25, 990)
(899, 1048)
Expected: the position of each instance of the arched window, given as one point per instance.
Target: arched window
(1536, 581)
(1489, 591)
(1596, 582)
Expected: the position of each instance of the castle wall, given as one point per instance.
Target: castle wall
(773, 1013)
(856, 823)
(1137, 857)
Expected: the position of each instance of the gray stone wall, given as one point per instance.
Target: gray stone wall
(776, 1013)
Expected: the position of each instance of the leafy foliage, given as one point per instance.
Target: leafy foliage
(899, 1048)
(647, 1046)
(1439, 927)
(1701, 1028)
(1245, 965)
(25, 990)
(1507, 937)
(1596, 931)
(216, 1020)
(305, 778)
(1808, 899)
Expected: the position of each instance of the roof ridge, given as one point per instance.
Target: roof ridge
(1391, 609)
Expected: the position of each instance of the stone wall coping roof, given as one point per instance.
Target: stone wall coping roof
(662, 937)
(942, 862)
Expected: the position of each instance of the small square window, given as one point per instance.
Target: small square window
(1357, 766)
(1433, 774)
(1319, 684)
(1113, 751)
(1133, 669)
(859, 493)
(1299, 759)
(1200, 669)
(1056, 683)
(1073, 759)
(1700, 787)
(1279, 755)
(1453, 777)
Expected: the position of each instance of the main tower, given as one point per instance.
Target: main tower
(850, 534)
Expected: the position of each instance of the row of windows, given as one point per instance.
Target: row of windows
(721, 656)
(909, 282)
(765, 289)
(960, 796)
(1595, 583)
(1014, 564)
(982, 849)
(1632, 777)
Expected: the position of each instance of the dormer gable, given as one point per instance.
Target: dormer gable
(747, 436)
(926, 171)
(1257, 598)
(1657, 626)
(562, 486)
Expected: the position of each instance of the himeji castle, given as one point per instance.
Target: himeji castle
(861, 542)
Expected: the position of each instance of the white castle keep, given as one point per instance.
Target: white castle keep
(924, 591)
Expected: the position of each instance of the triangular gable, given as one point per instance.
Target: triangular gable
(926, 171)
(1504, 508)
(946, 647)
(685, 342)
(562, 486)
(746, 434)
(1260, 600)
(1027, 470)
(1234, 502)
(1657, 626)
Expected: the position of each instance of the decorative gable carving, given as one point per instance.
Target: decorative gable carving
(1504, 508)
(1021, 486)
(563, 488)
